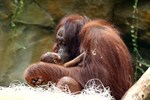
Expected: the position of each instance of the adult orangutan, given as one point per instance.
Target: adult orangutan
(67, 43)
(104, 56)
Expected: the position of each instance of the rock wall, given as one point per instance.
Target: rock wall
(34, 27)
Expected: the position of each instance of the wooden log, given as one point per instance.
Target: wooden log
(141, 89)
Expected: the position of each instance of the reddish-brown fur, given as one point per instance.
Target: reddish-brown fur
(106, 58)
(67, 41)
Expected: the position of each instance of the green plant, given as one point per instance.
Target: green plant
(139, 61)
(19, 6)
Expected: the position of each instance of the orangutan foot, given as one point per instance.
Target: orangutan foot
(67, 82)
(37, 81)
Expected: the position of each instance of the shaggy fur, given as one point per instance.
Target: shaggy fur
(106, 58)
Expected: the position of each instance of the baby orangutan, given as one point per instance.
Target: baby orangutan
(55, 58)
(51, 57)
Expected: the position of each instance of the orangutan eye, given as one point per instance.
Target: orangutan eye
(60, 34)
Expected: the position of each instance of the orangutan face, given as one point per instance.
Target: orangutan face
(63, 50)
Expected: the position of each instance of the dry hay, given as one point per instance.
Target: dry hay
(22, 91)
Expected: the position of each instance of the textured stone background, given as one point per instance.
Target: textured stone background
(35, 25)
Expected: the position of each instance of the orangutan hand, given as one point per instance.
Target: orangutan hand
(51, 57)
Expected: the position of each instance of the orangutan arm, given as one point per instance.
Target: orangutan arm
(74, 61)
